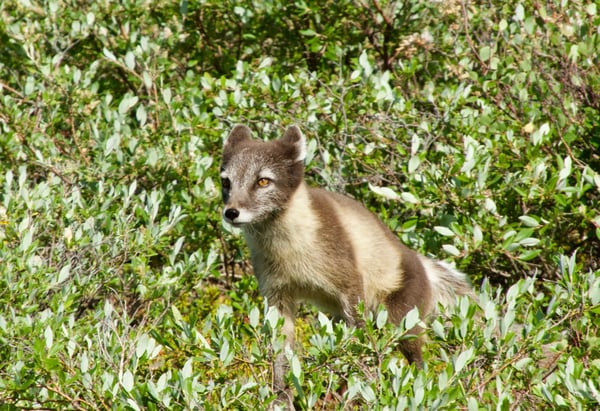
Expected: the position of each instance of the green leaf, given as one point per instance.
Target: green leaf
(130, 60)
(409, 198)
(253, 317)
(272, 317)
(594, 292)
(49, 337)
(451, 249)
(411, 319)
(187, 371)
(529, 242)
(108, 54)
(364, 62)
(26, 240)
(522, 363)
(529, 221)
(146, 77)
(473, 405)
(438, 329)
(445, 231)
(519, 12)
(63, 274)
(384, 192)
(462, 359)
(484, 53)
(413, 164)
(142, 345)
(382, 318)
(296, 367)
(84, 364)
(368, 393)
(226, 354)
(112, 144)
(166, 95)
(176, 315)
(529, 255)
(127, 103)
(308, 33)
(127, 381)
(140, 115)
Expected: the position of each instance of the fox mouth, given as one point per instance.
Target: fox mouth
(236, 224)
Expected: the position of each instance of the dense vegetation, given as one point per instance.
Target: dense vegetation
(472, 129)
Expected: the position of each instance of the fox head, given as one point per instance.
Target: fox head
(258, 178)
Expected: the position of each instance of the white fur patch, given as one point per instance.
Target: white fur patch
(245, 217)
(301, 146)
(443, 278)
(267, 173)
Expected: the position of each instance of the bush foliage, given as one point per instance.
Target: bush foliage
(472, 130)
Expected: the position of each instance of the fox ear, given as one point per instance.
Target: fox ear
(294, 137)
(238, 134)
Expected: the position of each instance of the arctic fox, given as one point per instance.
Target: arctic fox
(308, 244)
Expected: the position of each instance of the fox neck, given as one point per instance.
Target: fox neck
(295, 222)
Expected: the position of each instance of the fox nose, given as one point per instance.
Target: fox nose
(232, 213)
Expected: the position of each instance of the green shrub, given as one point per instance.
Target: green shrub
(472, 130)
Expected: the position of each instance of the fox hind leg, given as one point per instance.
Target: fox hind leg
(413, 293)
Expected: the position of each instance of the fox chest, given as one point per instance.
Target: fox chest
(287, 262)
(295, 263)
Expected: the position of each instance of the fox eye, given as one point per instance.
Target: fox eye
(263, 182)
(225, 183)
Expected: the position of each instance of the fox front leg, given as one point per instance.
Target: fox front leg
(285, 396)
